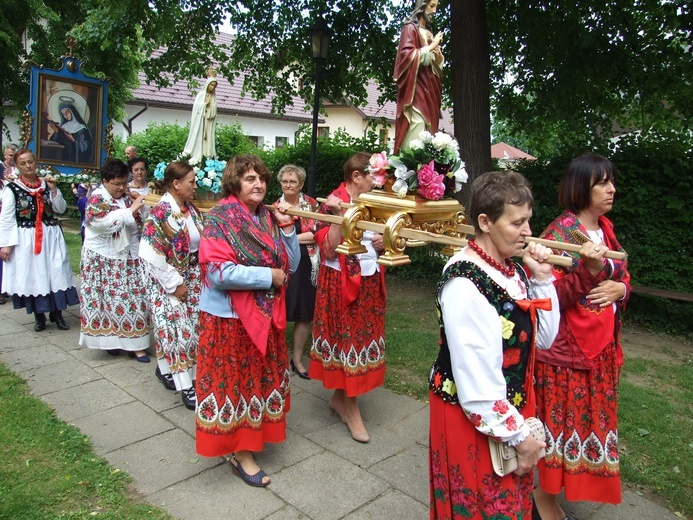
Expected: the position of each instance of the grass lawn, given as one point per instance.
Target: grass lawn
(48, 469)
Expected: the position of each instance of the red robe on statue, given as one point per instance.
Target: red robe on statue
(418, 86)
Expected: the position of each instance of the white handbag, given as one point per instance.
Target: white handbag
(504, 457)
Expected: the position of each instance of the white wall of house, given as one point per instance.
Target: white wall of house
(265, 132)
(350, 120)
(13, 127)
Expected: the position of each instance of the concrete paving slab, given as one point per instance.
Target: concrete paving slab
(68, 342)
(114, 428)
(11, 327)
(387, 409)
(288, 512)
(392, 504)
(217, 493)
(414, 426)
(28, 359)
(95, 357)
(632, 506)
(309, 413)
(296, 448)
(59, 376)
(178, 415)
(87, 399)
(326, 486)
(383, 443)
(161, 461)
(407, 471)
(20, 341)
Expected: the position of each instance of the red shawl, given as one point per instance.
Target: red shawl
(592, 326)
(349, 264)
(232, 234)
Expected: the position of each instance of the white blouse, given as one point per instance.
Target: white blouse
(475, 340)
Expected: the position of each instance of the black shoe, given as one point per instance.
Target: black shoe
(166, 379)
(113, 352)
(57, 318)
(302, 375)
(189, 398)
(3, 300)
(144, 358)
(40, 324)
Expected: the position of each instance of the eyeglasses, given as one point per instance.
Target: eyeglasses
(289, 183)
(119, 184)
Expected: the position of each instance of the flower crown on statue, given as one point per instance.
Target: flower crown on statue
(208, 176)
(431, 167)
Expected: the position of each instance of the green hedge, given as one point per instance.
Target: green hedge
(651, 214)
(652, 220)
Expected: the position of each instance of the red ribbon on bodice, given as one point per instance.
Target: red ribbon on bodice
(38, 233)
(531, 306)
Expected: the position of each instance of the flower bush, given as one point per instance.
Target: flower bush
(431, 167)
(208, 176)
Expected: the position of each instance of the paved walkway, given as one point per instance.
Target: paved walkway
(318, 473)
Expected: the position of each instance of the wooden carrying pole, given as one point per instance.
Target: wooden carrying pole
(466, 229)
(412, 234)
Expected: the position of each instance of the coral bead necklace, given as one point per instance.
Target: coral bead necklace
(507, 270)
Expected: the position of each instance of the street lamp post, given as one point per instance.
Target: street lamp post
(320, 35)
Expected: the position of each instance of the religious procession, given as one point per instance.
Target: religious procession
(189, 272)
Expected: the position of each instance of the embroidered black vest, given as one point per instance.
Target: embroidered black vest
(517, 335)
(25, 207)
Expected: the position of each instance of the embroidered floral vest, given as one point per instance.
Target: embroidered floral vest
(517, 336)
(25, 207)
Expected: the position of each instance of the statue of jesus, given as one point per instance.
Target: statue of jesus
(418, 73)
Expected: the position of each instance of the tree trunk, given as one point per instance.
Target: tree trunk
(471, 67)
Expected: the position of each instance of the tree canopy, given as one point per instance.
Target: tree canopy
(556, 73)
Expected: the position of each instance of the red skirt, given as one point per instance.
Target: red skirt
(463, 484)
(580, 410)
(348, 349)
(242, 396)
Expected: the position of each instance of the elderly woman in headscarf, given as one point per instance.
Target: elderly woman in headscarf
(246, 255)
(114, 308)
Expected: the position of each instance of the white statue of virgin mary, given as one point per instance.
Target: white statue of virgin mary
(201, 141)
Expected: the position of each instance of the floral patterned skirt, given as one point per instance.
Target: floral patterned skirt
(243, 397)
(580, 410)
(348, 349)
(114, 310)
(175, 326)
(463, 484)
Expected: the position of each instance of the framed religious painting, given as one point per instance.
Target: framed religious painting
(68, 117)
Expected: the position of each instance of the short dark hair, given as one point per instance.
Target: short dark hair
(113, 169)
(491, 191)
(237, 167)
(581, 175)
(132, 162)
(357, 162)
(175, 171)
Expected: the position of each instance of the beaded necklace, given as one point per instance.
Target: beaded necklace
(31, 185)
(508, 271)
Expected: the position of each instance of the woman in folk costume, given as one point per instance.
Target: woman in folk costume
(114, 307)
(246, 255)
(168, 255)
(37, 270)
(492, 318)
(348, 352)
(577, 379)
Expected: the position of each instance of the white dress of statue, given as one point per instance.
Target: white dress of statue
(201, 141)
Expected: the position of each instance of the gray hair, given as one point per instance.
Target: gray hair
(11, 147)
(292, 168)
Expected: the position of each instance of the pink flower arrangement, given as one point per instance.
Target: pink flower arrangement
(431, 167)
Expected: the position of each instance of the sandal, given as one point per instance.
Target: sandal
(251, 480)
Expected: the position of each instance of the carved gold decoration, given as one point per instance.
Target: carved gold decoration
(26, 135)
(108, 140)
